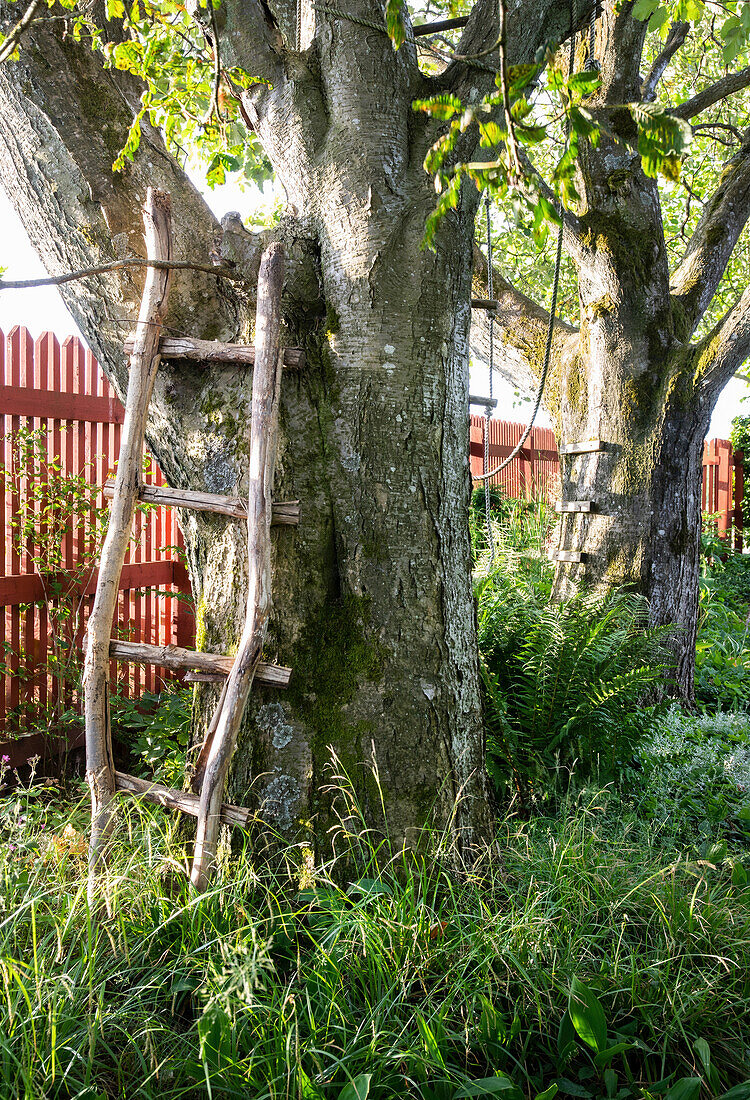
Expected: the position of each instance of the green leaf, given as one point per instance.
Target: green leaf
(704, 1053)
(739, 874)
(358, 1089)
(570, 1088)
(308, 1091)
(606, 1056)
(566, 1036)
(115, 9)
(610, 1082)
(587, 1016)
(548, 1093)
(644, 9)
(687, 1088)
(490, 1086)
(394, 21)
(370, 886)
(738, 1092)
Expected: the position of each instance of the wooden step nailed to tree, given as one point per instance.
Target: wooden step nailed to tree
(490, 304)
(176, 658)
(586, 446)
(567, 555)
(485, 402)
(283, 513)
(575, 506)
(211, 351)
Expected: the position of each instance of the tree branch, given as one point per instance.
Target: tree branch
(720, 355)
(119, 265)
(722, 89)
(699, 273)
(11, 39)
(678, 32)
(520, 330)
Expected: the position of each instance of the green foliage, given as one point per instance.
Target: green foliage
(186, 94)
(563, 682)
(588, 962)
(692, 776)
(155, 731)
(722, 665)
(730, 21)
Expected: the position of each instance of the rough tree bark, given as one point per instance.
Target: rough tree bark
(372, 596)
(630, 374)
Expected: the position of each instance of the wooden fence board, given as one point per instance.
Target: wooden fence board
(59, 391)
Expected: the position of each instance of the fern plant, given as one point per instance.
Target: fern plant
(563, 683)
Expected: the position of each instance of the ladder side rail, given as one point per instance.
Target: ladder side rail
(264, 421)
(144, 362)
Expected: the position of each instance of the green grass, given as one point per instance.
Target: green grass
(401, 979)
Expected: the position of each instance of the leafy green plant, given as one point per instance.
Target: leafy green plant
(563, 683)
(155, 731)
(693, 775)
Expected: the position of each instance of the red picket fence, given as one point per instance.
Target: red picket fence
(535, 472)
(58, 393)
(723, 488)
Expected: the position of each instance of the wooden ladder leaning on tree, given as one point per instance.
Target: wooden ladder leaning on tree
(146, 350)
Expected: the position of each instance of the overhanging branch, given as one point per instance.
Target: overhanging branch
(720, 355)
(699, 273)
(722, 89)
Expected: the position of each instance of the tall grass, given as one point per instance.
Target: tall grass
(413, 977)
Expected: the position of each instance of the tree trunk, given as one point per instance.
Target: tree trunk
(643, 532)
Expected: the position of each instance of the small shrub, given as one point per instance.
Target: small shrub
(155, 731)
(693, 775)
(563, 683)
(722, 656)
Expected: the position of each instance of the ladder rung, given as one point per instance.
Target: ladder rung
(283, 513)
(575, 506)
(487, 402)
(172, 656)
(567, 555)
(212, 351)
(491, 304)
(586, 446)
(173, 799)
(204, 677)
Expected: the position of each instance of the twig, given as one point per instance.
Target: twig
(678, 32)
(9, 43)
(116, 265)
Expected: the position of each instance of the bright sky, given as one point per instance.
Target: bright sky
(43, 309)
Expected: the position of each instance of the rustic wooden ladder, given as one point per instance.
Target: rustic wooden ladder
(239, 672)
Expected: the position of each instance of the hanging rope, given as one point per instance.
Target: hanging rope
(486, 475)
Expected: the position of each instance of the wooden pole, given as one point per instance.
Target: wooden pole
(264, 419)
(144, 360)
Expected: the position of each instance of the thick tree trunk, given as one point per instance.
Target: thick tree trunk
(643, 532)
